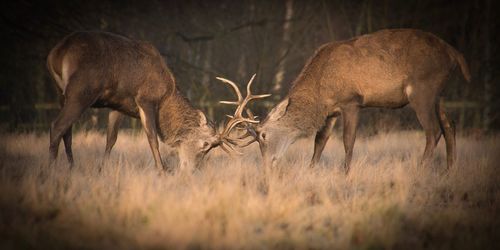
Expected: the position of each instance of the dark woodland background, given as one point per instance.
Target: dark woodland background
(204, 39)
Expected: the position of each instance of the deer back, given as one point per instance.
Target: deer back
(112, 67)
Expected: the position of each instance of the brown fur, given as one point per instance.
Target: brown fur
(98, 69)
(388, 68)
(340, 71)
(177, 119)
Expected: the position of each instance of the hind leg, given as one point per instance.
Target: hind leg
(448, 129)
(76, 101)
(425, 110)
(61, 127)
(67, 137)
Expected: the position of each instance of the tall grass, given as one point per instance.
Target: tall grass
(387, 201)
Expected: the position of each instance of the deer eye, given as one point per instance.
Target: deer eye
(263, 136)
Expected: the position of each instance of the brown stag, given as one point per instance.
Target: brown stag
(388, 68)
(98, 69)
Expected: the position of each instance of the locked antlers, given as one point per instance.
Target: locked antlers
(238, 117)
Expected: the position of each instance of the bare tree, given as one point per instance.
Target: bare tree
(487, 65)
(278, 77)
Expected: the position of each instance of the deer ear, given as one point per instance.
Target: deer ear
(203, 118)
(278, 111)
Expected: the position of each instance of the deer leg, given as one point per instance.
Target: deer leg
(61, 127)
(350, 116)
(114, 120)
(147, 113)
(428, 118)
(448, 130)
(67, 137)
(322, 137)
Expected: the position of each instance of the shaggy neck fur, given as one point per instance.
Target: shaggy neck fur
(306, 110)
(177, 118)
(305, 114)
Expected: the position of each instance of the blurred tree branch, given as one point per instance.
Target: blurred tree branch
(259, 23)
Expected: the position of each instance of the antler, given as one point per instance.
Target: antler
(238, 118)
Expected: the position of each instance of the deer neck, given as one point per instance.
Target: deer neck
(176, 118)
(306, 111)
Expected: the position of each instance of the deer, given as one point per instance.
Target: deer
(386, 69)
(105, 70)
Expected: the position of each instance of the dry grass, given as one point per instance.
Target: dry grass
(386, 202)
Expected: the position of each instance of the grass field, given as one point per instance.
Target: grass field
(386, 202)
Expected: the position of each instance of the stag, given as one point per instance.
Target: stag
(99, 69)
(385, 69)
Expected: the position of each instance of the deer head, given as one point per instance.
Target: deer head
(272, 136)
(275, 135)
(193, 148)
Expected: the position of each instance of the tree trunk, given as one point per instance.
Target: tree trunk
(278, 77)
(487, 68)
(205, 80)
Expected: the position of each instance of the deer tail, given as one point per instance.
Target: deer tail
(460, 60)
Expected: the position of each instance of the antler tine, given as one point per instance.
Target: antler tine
(250, 96)
(250, 132)
(235, 121)
(249, 85)
(230, 142)
(250, 114)
(230, 147)
(235, 88)
(247, 143)
(224, 148)
(253, 97)
(229, 102)
(238, 117)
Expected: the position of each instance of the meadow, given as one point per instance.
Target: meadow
(387, 201)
